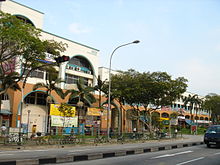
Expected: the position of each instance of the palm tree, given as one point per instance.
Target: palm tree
(50, 85)
(193, 101)
(83, 97)
(100, 88)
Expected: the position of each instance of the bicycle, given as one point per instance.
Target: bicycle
(100, 139)
(71, 139)
(40, 140)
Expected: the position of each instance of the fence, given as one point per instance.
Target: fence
(75, 136)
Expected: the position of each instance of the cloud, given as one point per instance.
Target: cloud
(77, 28)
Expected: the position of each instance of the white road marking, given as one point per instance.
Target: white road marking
(5, 154)
(167, 155)
(193, 160)
(217, 153)
(79, 150)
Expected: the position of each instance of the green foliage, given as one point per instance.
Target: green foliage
(20, 44)
(83, 93)
(194, 102)
(212, 105)
(51, 83)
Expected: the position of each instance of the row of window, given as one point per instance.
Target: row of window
(70, 79)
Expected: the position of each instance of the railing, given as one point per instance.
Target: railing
(86, 138)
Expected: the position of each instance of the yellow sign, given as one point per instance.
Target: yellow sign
(54, 110)
(93, 112)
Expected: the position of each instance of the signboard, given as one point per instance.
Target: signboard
(93, 112)
(54, 110)
(60, 121)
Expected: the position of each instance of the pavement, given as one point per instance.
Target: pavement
(67, 153)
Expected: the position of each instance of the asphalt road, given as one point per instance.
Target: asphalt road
(196, 155)
(54, 152)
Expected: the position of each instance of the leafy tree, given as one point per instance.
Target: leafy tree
(212, 105)
(20, 45)
(144, 89)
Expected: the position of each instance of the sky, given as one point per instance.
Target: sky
(180, 37)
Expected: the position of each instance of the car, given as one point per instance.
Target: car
(212, 136)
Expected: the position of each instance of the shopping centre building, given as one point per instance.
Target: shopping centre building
(83, 63)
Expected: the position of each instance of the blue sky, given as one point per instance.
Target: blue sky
(180, 37)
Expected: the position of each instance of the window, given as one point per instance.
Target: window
(35, 73)
(36, 98)
(4, 97)
(71, 79)
(30, 99)
(41, 98)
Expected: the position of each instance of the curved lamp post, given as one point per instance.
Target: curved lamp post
(109, 87)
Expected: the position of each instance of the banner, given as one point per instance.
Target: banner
(93, 112)
(60, 121)
(54, 110)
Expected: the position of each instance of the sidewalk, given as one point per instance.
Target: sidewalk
(90, 152)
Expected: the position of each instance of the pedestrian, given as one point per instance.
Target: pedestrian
(3, 129)
(175, 133)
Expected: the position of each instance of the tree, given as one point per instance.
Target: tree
(51, 85)
(144, 89)
(100, 88)
(20, 45)
(190, 100)
(212, 105)
(83, 97)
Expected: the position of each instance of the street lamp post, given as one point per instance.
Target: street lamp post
(109, 87)
(29, 111)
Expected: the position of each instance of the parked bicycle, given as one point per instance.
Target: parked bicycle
(70, 139)
(100, 139)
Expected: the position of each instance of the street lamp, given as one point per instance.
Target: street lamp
(109, 87)
(29, 111)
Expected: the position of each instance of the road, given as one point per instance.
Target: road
(184, 156)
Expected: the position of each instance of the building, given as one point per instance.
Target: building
(83, 63)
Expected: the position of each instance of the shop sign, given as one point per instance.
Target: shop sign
(54, 110)
(60, 121)
(93, 112)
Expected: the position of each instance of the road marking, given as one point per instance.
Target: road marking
(79, 150)
(217, 153)
(190, 161)
(5, 154)
(167, 155)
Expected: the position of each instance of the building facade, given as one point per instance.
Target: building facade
(83, 63)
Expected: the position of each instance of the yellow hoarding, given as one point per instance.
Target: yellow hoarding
(93, 112)
(54, 110)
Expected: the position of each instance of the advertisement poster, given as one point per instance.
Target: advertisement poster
(54, 110)
(60, 121)
(93, 112)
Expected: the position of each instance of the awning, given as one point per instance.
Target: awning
(5, 112)
(188, 121)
